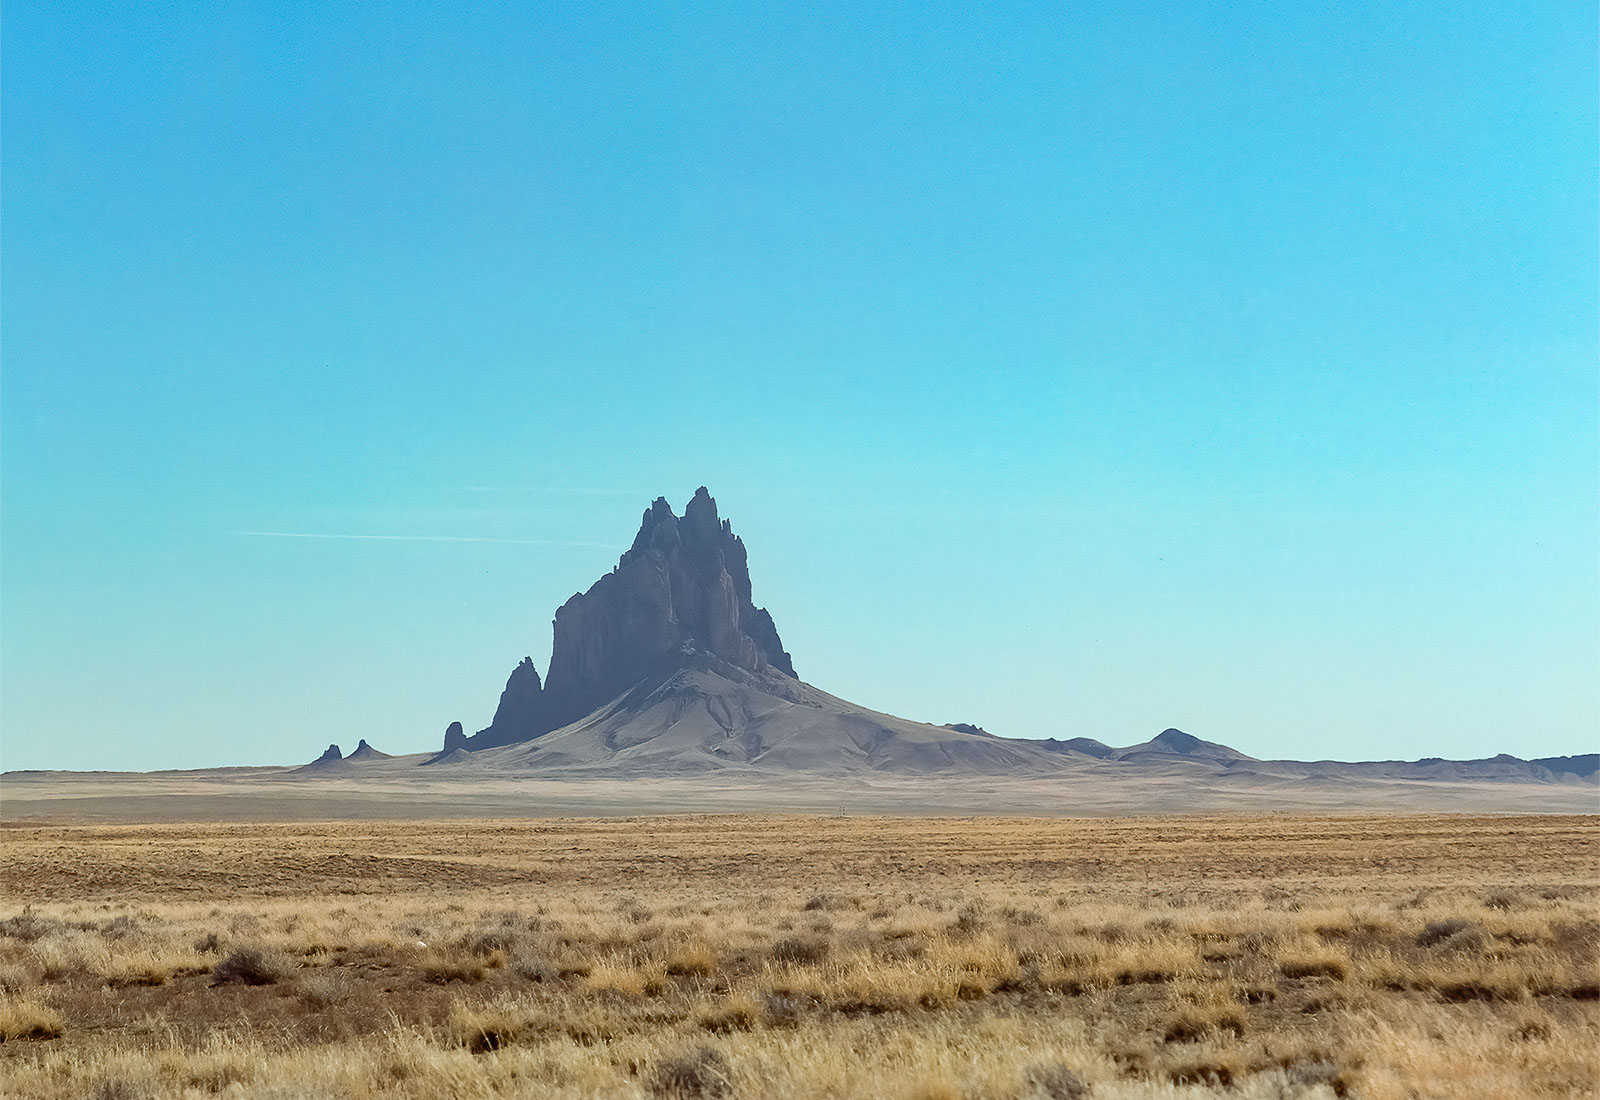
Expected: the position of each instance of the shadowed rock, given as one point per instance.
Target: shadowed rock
(454, 737)
(1088, 746)
(1171, 742)
(329, 755)
(1587, 764)
(682, 590)
(365, 751)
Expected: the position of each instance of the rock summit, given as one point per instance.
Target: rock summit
(679, 598)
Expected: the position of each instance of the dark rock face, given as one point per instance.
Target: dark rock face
(522, 709)
(1174, 742)
(1587, 764)
(682, 589)
(329, 755)
(454, 737)
(364, 751)
(1177, 741)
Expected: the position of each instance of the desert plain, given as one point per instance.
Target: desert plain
(1238, 955)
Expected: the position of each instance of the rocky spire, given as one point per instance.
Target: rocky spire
(683, 588)
(521, 713)
(454, 736)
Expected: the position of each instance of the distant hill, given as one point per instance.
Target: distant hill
(1177, 743)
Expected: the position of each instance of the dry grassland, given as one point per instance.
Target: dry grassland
(741, 956)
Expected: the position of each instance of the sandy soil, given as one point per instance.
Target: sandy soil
(397, 788)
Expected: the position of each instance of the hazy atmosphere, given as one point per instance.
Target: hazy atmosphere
(1068, 374)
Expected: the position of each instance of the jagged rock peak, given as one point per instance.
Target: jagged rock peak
(329, 755)
(523, 706)
(682, 588)
(657, 530)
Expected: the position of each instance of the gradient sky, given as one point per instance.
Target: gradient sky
(1074, 370)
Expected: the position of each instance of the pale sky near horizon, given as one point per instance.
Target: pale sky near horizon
(1069, 370)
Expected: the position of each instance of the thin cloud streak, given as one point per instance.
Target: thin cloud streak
(423, 538)
(544, 489)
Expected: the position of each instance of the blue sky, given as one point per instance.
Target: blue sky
(1071, 370)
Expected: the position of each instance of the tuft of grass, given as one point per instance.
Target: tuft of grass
(441, 969)
(26, 1018)
(1451, 932)
(625, 979)
(116, 1088)
(781, 1010)
(694, 960)
(28, 926)
(806, 950)
(535, 970)
(483, 1028)
(737, 1012)
(1331, 966)
(1195, 1024)
(496, 942)
(220, 1070)
(1053, 1081)
(17, 978)
(252, 966)
(700, 1074)
(325, 990)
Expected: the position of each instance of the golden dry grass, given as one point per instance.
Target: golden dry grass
(739, 956)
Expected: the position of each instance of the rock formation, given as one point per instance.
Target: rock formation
(365, 751)
(522, 712)
(454, 737)
(329, 755)
(1173, 742)
(680, 594)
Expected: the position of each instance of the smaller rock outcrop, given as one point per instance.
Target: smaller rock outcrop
(330, 755)
(523, 713)
(1174, 742)
(454, 738)
(365, 751)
